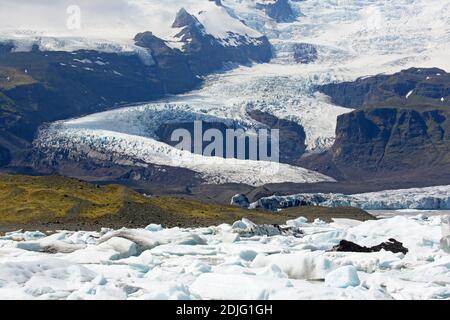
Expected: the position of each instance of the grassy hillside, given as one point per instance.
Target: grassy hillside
(55, 202)
(24, 199)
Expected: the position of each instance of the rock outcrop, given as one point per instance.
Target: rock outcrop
(414, 87)
(391, 245)
(292, 136)
(392, 140)
(198, 44)
(278, 10)
(400, 130)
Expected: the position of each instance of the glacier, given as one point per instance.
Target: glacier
(431, 198)
(218, 263)
(127, 149)
(353, 39)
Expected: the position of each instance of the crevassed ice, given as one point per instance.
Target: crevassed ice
(354, 39)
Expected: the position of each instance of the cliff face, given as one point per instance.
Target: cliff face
(292, 136)
(392, 140)
(47, 86)
(279, 10)
(400, 130)
(414, 87)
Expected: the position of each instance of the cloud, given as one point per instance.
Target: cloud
(102, 19)
(97, 17)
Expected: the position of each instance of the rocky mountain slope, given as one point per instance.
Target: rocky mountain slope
(401, 127)
(414, 87)
(322, 55)
(39, 85)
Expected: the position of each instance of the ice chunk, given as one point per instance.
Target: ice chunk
(182, 250)
(445, 241)
(445, 226)
(248, 255)
(240, 200)
(113, 249)
(304, 265)
(29, 246)
(319, 222)
(124, 248)
(299, 222)
(345, 223)
(237, 287)
(148, 240)
(246, 228)
(198, 267)
(154, 227)
(343, 277)
(23, 236)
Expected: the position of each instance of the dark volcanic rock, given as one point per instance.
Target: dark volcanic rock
(280, 10)
(174, 68)
(415, 87)
(114, 169)
(165, 131)
(292, 135)
(184, 19)
(392, 140)
(392, 245)
(305, 53)
(401, 129)
(198, 45)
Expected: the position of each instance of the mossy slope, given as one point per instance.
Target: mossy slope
(54, 202)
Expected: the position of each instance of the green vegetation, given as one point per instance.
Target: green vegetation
(24, 199)
(54, 202)
(11, 78)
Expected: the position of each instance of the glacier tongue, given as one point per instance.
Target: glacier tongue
(432, 198)
(139, 150)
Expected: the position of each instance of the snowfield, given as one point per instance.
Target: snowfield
(228, 262)
(117, 25)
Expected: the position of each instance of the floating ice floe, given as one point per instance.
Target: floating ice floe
(219, 263)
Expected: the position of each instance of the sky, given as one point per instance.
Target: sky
(102, 19)
(99, 17)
